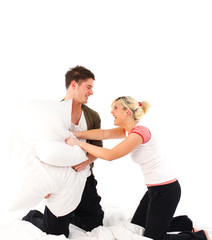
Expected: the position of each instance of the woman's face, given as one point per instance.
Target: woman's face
(119, 114)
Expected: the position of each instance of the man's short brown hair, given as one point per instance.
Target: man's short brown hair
(79, 74)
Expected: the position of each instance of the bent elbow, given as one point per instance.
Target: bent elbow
(110, 157)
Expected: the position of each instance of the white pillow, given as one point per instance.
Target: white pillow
(41, 130)
(44, 120)
(44, 124)
(59, 153)
(35, 180)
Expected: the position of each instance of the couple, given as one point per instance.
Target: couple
(157, 207)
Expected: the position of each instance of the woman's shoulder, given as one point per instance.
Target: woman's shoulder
(144, 132)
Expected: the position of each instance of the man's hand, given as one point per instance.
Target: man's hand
(81, 166)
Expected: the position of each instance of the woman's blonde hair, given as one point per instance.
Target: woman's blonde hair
(138, 109)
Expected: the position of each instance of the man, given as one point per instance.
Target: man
(79, 85)
(89, 213)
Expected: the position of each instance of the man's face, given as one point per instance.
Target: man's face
(84, 90)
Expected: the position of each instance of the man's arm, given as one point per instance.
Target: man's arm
(93, 121)
(83, 165)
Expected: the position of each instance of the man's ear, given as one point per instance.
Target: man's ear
(73, 84)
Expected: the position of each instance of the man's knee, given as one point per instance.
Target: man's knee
(88, 224)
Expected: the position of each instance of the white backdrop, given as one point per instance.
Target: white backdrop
(159, 51)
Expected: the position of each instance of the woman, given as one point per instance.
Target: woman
(157, 207)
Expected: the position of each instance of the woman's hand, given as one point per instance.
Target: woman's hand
(81, 166)
(72, 141)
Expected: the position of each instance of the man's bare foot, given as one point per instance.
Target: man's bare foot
(47, 196)
(195, 230)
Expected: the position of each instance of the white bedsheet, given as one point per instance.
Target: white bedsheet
(26, 231)
(115, 228)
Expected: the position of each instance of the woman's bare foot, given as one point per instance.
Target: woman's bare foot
(206, 234)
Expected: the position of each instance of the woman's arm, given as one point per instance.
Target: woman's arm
(100, 134)
(120, 150)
